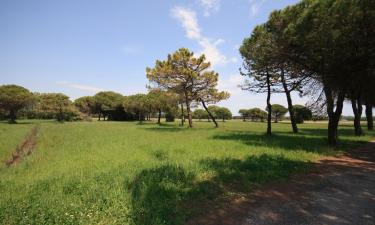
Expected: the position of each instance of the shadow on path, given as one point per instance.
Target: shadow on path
(339, 190)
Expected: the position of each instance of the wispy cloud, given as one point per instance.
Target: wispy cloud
(231, 84)
(81, 87)
(132, 49)
(255, 6)
(209, 6)
(189, 22)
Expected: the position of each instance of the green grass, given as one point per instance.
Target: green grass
(127, 173)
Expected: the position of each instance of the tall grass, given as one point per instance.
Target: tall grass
(129, 173)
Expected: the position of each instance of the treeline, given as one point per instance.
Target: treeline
(18, 102)
(217, 112)
(321, 48)
(301, 113)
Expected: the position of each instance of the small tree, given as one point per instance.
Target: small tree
(137, 104)
(162, 101)
(224, 113)
(256, 114)
(85, 104)
(107, 101)
(302, 113)
(13, 98)
(56, 104)
(278, 112)
(244, 114)
(200, 114)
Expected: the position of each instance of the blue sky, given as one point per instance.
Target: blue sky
(80, 47)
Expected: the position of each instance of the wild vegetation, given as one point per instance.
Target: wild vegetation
(152, 169)
(127, 173)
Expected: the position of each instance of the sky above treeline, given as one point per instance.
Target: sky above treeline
(80, 47)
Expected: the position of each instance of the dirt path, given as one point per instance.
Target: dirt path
(25, 148)
(337, 191)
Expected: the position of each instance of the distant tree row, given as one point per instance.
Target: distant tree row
(301, 113)
(217, 112)
(321, 48)
(107, 105)
(16, 100)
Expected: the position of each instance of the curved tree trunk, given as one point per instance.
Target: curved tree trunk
(209, 113)
(369, 116)
(357, 111)
(290, 103)
(269, 107)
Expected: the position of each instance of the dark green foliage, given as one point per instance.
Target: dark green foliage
(256, 114)
(14, 98)
(200, 114)
(55, 106)
(107, 101)
(220, 112)
(302, 113)
(278, 112)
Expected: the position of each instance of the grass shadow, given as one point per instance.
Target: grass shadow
(170, 194)
(288, 141)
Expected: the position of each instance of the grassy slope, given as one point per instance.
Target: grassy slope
(124, 173)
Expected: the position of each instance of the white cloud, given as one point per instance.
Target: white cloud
(255, 6)
(189, 22)
(231, 84)
(86, 88)
(209, 6)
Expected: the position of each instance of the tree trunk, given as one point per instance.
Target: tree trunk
(60, 115)
(290, 103)
(333, 115)
(189, 114)
(370, 119)
(12, 116)
(159, 116)
(209, 113)
(182, 115)
(99, 117)
(357, 111)
(269, 107)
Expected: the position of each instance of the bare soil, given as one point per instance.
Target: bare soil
(25, 148)
(338, 190)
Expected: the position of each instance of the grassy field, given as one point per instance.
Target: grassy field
(130, 173)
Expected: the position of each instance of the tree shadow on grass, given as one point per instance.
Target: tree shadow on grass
(317, 144)
(323, 132)
(167, 194)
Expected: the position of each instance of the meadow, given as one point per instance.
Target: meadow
(131, 173)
